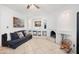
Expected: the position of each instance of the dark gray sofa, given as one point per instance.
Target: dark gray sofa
(16, 41)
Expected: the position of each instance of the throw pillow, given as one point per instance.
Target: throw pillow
(20, 34)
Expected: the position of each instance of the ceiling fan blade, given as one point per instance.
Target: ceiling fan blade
(28, 6)
(36, 6)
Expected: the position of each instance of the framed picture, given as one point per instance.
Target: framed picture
(37, 23)
(17, 22)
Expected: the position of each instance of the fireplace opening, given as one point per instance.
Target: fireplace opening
(53, 34)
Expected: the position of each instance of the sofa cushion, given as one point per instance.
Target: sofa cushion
(20, 34)
(12, 42)
(29, 36)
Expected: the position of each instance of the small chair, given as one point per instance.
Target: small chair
(66, 45)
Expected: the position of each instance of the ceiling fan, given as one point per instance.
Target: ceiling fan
(30, 5)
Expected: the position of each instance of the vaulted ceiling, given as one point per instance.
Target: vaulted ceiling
(49, 8)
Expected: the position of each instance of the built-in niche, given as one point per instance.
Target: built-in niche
(39, 23)
(44, 33)
(34, 33)
(44, 23)
(39, 33)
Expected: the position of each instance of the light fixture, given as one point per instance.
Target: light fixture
(32, 6)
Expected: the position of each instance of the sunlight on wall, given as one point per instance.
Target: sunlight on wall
(65, 21)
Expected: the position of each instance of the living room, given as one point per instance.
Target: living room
(40, 21)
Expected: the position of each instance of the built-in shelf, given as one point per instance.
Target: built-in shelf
(38, 32)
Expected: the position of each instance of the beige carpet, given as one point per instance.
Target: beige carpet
(37, 45)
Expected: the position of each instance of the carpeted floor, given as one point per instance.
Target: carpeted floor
(37, 45)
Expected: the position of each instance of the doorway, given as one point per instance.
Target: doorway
(77, 32)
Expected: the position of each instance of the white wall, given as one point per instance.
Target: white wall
(49, 18)
(0, 26)
(7, 20)
(66, 24)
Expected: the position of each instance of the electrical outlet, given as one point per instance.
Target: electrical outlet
(73, 45)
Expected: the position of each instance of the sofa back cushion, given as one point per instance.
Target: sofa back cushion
(17, 35)
(25, 33)
(14, 36)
